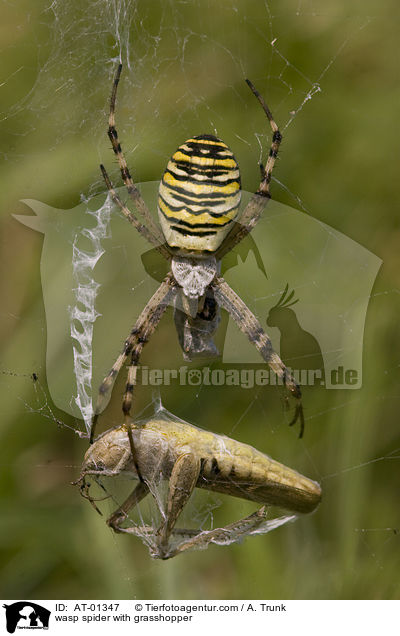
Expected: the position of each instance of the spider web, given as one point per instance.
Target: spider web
(173, 88)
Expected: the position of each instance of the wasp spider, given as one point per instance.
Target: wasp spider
(198, 207)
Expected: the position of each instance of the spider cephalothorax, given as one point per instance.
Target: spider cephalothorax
(198, 208)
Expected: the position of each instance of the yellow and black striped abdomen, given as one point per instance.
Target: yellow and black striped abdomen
(199, 195)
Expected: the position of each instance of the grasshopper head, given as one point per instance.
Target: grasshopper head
(108, 455)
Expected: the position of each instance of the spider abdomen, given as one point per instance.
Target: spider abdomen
(199, 195)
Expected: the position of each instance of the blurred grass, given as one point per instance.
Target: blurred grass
(339, 156)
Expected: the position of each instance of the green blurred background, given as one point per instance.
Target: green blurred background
(184, 68)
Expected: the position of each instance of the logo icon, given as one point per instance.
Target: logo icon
(26, 615)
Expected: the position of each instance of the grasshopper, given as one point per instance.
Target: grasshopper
(164, 447)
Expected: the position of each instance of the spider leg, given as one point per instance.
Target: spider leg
(252, 213)
(241, 228)
(132, 218)
(250, 326)
(139, 335)
(263, 189)
(144, 329)
(134, 193)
